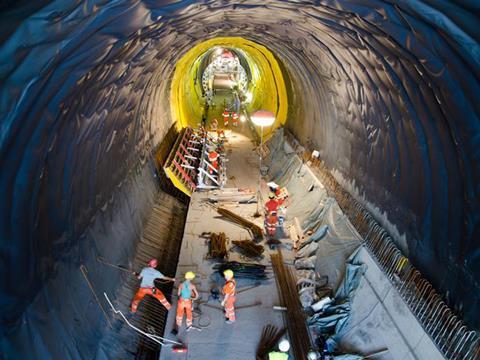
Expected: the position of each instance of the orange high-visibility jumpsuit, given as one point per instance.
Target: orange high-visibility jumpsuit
(235, 119)
(229, 292)
(185, 305)
(271, 223)
(149, 291)
(271, 206)
(225, 115)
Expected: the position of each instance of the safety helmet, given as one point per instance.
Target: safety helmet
(153, 263)
(313, 355)
(284, 345)
(271, 195)
(189, 275)
(228, 273)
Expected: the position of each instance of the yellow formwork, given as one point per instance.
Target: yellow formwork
(267, 86)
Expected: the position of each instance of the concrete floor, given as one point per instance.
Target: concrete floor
(237, 341)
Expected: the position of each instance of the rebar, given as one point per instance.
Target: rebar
(294, 316)
(257, 231)
(249, 248)
(445, 329)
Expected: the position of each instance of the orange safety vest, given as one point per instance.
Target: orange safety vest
(229, 287)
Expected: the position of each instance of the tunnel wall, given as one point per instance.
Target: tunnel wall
(386, 91)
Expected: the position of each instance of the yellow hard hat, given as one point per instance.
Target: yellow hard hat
(189, 275)
(228, 273)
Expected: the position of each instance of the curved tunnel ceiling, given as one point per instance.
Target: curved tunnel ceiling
(388, 93)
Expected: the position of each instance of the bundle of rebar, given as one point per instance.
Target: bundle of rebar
(217, 246)
(257, 231)
(249, 248)
(294, 316)
(243, 270)
(270, 337)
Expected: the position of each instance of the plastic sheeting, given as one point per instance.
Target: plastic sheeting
(387, 91)
(333, 318)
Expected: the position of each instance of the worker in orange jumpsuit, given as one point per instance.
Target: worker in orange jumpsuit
(235, 119)
(271, 222)
(271, 205)
(147, 286)
(187, 292)
(225, 115)
(228, 292)
(213, 159)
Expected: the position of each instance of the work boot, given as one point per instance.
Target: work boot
(189, 327)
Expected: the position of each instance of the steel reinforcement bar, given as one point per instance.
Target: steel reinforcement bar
(445, 328)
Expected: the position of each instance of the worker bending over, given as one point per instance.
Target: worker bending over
(229, 296)
(187, 292)
(147, 286)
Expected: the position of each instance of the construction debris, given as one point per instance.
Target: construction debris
(249, 248)
(243, 270)
(256, 230)
(270, 337)
(217, 246)
(295, 319)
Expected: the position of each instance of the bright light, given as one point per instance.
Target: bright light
(242, 118)
(219, 51)
(263, 118)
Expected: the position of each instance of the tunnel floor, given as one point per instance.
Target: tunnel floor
(380, 322)
(221, 340)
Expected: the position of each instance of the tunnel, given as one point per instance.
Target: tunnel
(386, 92)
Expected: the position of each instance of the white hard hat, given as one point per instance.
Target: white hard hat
(312, 355)
(284, 345)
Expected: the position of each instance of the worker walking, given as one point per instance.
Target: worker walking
(147, 286)
(282, 353)
(225, 115)
(187, 292)
(228, 292)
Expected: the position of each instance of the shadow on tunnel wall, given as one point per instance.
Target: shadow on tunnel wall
(388, 93)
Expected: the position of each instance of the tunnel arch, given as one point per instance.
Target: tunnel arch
(267, 84)
(386, 92)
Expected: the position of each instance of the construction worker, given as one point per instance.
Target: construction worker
(225, 115)
(235, 119)
(282, 353)
(147, 286)
(213, 160)
(214, 125)
(271, 222)
(228, 292)
(271, 205)
(187, 292)
(282, 200)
